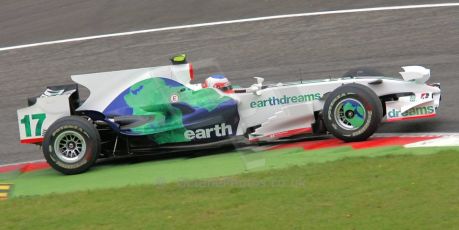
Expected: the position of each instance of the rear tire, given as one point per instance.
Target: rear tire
(71, 145)
(352, 112)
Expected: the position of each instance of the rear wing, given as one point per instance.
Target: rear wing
(44, 110)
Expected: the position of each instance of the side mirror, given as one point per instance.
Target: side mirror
(260, 80)
(256, 88)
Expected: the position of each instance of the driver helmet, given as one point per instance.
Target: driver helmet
(218, 81)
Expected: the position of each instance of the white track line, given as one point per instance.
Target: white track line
(416, 134)
(443, 141)
(232, 22)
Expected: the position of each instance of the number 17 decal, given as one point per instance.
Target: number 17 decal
(27, 124)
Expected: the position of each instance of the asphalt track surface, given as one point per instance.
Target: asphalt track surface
(278, 50)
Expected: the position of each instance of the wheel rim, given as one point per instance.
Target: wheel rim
(350, 114)
(70, 146)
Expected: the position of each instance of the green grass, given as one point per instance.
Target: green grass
(388, 192)
(180, 169)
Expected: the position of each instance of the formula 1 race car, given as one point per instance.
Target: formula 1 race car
(142, 111)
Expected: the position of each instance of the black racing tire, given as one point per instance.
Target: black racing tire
(352, 112)
(71, 145)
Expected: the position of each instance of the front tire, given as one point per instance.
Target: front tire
(71, 145)
(352, 112)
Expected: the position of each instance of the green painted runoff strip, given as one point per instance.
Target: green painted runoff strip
(183, 169)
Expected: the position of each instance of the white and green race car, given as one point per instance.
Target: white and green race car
(143, 111)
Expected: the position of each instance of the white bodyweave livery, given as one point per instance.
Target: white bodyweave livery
(276, 108)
